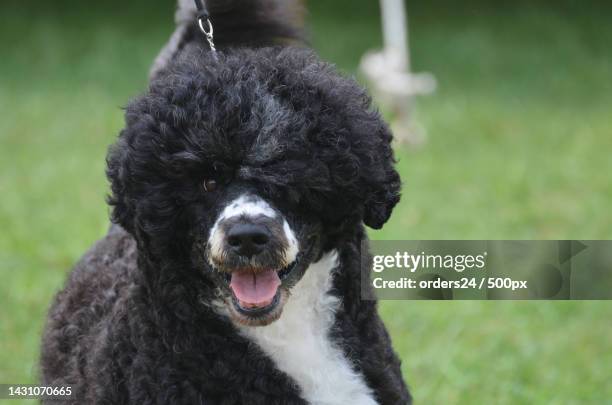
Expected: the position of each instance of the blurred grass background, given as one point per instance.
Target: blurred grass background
(520, 137)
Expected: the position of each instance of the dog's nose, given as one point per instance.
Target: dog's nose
(248, 239)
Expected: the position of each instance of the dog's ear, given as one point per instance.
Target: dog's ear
(383, 181)
(117, 172)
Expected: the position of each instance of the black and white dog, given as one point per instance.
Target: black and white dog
(240, 189)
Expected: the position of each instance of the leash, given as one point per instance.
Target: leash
(205, 25)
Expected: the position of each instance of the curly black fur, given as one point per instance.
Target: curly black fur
(134, 323)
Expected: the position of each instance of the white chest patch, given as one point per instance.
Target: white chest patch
(300, 346)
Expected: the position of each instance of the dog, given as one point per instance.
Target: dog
(241, 186)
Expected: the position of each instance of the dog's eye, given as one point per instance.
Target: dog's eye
(209, 185)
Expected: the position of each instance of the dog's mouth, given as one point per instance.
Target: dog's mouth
(255, 290)
(256, 296)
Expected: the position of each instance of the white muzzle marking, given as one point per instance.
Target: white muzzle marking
(249, 206)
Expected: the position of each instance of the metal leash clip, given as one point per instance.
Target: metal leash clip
(207, 33)
(205, 24)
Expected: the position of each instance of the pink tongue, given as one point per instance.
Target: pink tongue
(255, 289)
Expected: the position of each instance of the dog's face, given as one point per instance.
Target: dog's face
(235, 175)
(255, 250)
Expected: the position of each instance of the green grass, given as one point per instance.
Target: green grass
(519, 144)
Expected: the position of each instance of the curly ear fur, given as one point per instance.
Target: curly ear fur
(385, 188)
(117, 172)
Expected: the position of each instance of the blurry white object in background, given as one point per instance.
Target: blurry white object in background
(389, 73)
